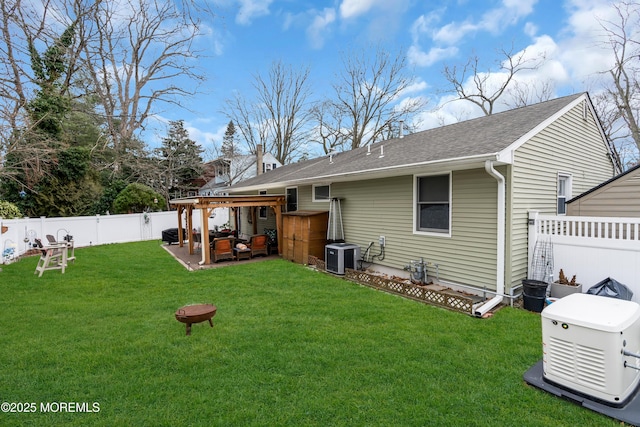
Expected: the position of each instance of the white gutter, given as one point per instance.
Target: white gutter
(375, 173)
(500, 244)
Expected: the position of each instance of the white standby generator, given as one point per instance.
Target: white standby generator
(591, 345)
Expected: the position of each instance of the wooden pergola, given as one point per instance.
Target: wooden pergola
(207, 204)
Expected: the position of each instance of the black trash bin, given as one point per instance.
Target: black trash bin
(534, 294)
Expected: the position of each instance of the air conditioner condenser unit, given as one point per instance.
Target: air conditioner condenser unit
(339, 256)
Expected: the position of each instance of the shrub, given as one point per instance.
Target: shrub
(138, 198)
(9, 210)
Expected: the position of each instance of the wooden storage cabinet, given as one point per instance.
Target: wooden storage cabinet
(304, 233)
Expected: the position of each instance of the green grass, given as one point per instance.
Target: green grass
(290, 347)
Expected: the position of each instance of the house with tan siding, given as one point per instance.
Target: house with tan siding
(456, 196)
(616, 197)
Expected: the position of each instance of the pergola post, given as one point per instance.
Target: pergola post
(278, 212)
(204, 237)
(180, 229)
(190, 228)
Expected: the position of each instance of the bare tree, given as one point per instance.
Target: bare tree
(620, 109)
(328, 126)
(39, 55)
(15, 72)
(279, 115)
(522, 94)
(246, 119)
(486, 88)
(369, 98)
(134, 51)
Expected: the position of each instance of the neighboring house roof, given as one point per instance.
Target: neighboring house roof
(208, 173)
(239, 168)
(621, 176)
(462, 145)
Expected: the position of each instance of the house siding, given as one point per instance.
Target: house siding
(571, 145)
(384, 207)
(620, 198)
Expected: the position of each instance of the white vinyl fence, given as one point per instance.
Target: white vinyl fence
(21, 233)
(592, 248)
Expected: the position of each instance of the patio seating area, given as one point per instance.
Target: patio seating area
(191, 261)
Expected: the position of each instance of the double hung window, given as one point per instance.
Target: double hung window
(433, 203)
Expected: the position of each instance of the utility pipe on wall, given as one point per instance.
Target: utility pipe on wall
(500, 244)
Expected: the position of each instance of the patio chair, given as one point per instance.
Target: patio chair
(258, 245)
(68, 242)
(222, 248)
(51, 258)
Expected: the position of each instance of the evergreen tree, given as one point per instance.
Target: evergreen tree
(138, 198)
(38, 150)
(180, 160)
(71, 189)
(51, 103)
(229, 149)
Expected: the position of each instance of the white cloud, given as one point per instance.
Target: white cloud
(530, 29)
(520, 7)
(385, 8)
(447, 36)
(204, 138)
(425, 59)
(449, 110)
(452, 33)
(423, 25)
(215, 38)
(583, 49)
(318, 29)
(251, 9)
(418, 86)
(532, 83)
(494, 21)
(354, 8)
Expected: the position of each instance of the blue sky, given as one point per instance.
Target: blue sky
(247, 36)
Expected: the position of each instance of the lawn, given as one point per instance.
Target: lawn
(290, 347)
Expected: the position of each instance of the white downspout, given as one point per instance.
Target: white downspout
(500, 245)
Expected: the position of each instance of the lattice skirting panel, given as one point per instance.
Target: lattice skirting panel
(444, 299)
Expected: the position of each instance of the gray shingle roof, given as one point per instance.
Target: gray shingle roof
(483, 136)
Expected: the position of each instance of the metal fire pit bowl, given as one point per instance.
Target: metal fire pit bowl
(197, 313)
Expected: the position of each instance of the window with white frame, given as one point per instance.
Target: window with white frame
(266, 167)
(433, 203)
(564, 193)
(262, 210)
(321, 193)
(292, 199)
